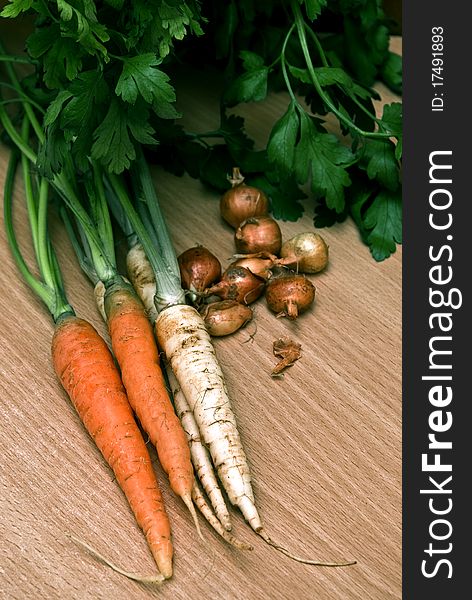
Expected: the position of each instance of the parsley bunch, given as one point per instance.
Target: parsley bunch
(101, 72)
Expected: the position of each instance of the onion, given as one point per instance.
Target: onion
(242, 201)
(225, 317)
(308, 251)
(258, 234)
(239, 284)
(199, 268)
(259, 266)
(290, 295)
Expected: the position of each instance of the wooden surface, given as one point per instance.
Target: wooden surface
(324, 442)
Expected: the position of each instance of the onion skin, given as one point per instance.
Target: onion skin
(226, 317)
(259, 266)
(290, 295)
(242, 201)
(239, 284)
(199, 268)
(308, 252)
(258, 234)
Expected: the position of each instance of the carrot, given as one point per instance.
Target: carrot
(88, 374)
(132, 340)
(82, 360)
(135, 350)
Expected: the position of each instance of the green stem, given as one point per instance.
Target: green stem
(26, 105)
(325, 62)
(15, 137)
(16, 59)
(42, 235)
(169, 290)
(166, 247)
(55, 270)
(37, 286)
(284, 65)
(104, 225)
(82, 255)
(22, 97)
(29, 193)
(300, 23)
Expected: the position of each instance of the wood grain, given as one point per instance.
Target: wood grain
(324, 442)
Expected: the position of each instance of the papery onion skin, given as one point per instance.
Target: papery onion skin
(289, 295)
(199, 268)
(259, 266)
(258, 234)
(226, 317)
(238, 283)
(306, 252)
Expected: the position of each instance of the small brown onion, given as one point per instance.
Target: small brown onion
(199, 268)
(242, 201)
(259, 266)
(307, 251)
(290, 295)
(225, 317)
(258, 234)
(238, 283)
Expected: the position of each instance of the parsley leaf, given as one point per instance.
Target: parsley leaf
(248, 87)
(384, 219)
(322, 156)
(139, 77)
(278, 191)
(378, 158)
(391, 72)
(283, 137)
(15, 7)
(313, 7)
(392, 118)
(113, 146)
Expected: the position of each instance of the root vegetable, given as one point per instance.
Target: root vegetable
(85, 367)
(199, 268)
(242, 201)
(187, 345)
(141, 275)
(259, 266)
(135, 349)
(258, 234)
(201, 504)
(239, 284)
(290, 295)
(308, 252)
(225, 317)
(200, 456)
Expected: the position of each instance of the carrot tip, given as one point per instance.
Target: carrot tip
(150, 579)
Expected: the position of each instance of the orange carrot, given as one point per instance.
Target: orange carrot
(135, 349)
(87, 372)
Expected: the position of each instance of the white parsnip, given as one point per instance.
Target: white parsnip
(142, 278)
(200, 456)
(182, 335)
(200, 502)
(99, 293)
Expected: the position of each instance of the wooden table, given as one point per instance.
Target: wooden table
(323, 442)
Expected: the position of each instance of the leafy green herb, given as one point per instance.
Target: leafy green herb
(102, 76)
